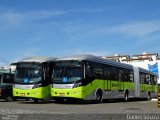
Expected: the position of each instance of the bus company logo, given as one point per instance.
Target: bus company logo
(65, 79)
(9, 117)
(142, 117)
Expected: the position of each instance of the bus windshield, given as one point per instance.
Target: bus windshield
(66, 75)
(8, 78)
(28, 73)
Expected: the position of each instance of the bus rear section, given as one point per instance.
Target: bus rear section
(145, 83)
(33, 78)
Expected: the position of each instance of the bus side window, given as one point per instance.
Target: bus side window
(155, 80)
(88, 71)
(131, 76)
(107, 72)
(114, 73)
(98, 71)
(8, 78)
(126, 75)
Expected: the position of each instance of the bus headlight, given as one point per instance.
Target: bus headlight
(77, 85)
(37, 85)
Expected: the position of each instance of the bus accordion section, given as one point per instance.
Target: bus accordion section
(88, 77)
(33, 78)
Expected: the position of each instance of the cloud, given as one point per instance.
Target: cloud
(136, 29)
(3, 62)
(33, 51)
(44, 14)
(14, 17)
(11, 18)
(87, 10)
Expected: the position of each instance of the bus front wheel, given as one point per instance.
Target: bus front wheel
(99, 97)
(8, 99)
(35, 100)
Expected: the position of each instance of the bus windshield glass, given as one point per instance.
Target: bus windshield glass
(65, 73)
(28, 73)
(8, 78)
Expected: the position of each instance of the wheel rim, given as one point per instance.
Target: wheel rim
(98, 98)
(8, 99)
(126, 97)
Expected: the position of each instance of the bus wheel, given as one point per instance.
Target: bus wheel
(59, 100)
(99, 97)
(35, 100)
(8, 99)
(126, 96)
(149, 96)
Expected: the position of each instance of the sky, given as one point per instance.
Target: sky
(64, 27)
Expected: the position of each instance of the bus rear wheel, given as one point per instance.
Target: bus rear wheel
(126, 97)
(149, 96)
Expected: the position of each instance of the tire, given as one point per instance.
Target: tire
(149, 96)
(35, 100)
(98, 97)
(126, 97)
(58, 100)
(9, 99)
(14, 99)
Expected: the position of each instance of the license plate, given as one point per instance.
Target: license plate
(61, 94)
(22, 94)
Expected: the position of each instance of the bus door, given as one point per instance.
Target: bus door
(120, 80)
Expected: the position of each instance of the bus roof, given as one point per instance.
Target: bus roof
(39, 59)
(6, 71)
(96, 59)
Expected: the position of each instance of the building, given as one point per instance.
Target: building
(117, 57)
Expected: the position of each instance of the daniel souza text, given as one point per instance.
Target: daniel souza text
(143, 116)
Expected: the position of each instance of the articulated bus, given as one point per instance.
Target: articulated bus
(88, 77)
(33, 78)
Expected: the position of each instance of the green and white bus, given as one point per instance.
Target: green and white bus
(88, 77)
(33, 78)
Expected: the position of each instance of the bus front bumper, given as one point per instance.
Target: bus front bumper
(31, 93)
(68, 93)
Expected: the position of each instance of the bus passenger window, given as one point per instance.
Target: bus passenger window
(88, 71)
(131, 76)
